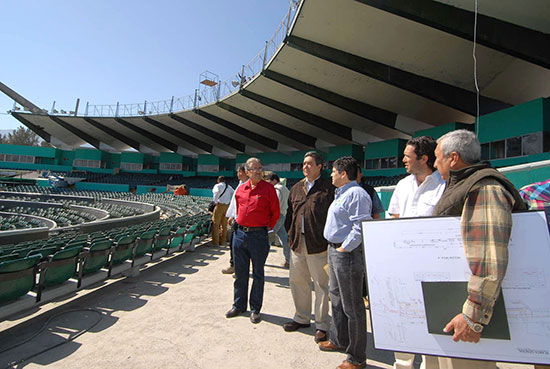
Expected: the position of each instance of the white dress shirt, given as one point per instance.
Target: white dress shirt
(221, 197)
(411, 200)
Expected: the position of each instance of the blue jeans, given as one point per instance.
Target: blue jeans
(280, 231)
(349, 321)
(249, 246)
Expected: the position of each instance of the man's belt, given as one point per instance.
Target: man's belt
(251, 229)
(335, 245)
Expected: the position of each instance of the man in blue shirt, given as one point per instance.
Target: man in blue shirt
(350, 207)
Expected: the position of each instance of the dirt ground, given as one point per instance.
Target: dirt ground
(172, 316)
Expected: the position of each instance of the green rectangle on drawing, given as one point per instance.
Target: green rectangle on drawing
(444, 300)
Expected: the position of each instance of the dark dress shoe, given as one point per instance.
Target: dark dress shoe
(233, 313)
(255, 318)
(294, 326)
(347, 365)
(329, 346)
(320, 336)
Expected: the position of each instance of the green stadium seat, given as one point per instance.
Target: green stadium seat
(97, 256)
(144, 243)
(60, 267)
(124, 246)
(17, 277)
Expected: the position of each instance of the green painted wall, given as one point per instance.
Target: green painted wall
(208, 159)
(88, 154)
(383, 149)
(204, 192)
(384, 172)
(145, 189)
(439, 131)
(44, 152)
(520, 179)
(114, 160)
(512, 122)
(65, 157)
(132, 157)
(520, 160)
(336, 152)
(273, 157)
(170, 157)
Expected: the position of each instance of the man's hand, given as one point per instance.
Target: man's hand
(230, 221)
(462, 330)
(341, 249)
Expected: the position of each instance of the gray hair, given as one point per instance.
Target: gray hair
(316, 156)
(250, 161)
(463, 142)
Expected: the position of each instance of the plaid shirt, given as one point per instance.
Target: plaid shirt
(486, 225)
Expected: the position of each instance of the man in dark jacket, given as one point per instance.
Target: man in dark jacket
(485, 200)
(308, 205)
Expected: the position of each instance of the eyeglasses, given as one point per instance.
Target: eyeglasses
(255, 169)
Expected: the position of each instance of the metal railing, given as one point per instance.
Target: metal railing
(206, 96)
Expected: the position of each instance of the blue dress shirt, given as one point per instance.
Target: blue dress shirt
(351, 205)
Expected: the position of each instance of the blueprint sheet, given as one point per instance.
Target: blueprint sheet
(401, 253)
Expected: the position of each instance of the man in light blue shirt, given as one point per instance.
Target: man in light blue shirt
(350, 207)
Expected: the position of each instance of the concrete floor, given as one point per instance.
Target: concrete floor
(172, 316)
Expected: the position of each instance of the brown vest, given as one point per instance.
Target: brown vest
(461, 182)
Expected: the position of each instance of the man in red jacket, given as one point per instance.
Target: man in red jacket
(257, 211)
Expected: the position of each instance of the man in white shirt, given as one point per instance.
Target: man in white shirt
(415, 196)
(279, 229)
(222, 193)
(232, 214)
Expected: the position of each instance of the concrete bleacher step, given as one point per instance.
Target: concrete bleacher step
(17, 306)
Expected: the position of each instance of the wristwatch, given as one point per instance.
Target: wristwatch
(476, 327)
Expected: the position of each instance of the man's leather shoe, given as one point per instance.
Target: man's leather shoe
(329, 346)
(347, 365)
(255, 318)
(294, 326)
(233, 313)
(229, 270)
(320, 336)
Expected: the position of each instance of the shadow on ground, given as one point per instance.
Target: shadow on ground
(48, 337)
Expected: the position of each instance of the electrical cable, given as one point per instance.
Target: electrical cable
(475, 68)
(14, 363)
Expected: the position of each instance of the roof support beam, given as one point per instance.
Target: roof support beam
(215, 135)
(119, 136)
(336, 129)
(180, 135)
(290, 133)
(521, 42)
(153, 137)
(264, 141)
(373, 113)
(33, 127)
(443, 93)
(86, 137)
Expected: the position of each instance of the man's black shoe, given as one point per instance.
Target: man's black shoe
(294, 326)
(233, 313)
(255, 318)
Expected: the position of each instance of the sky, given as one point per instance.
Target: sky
(126, 51)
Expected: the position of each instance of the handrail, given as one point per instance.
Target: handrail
(206, 96)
